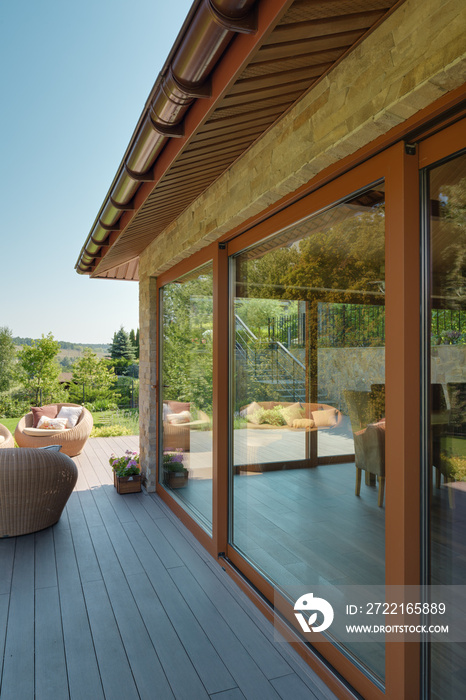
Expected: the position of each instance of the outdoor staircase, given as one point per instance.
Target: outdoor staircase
(269, 364)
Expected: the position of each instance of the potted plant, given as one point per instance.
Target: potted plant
(126, 472)
(175, 474)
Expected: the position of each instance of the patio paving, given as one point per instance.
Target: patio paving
(119, 600)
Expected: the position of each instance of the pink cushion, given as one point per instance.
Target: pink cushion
(39, 411)
(178, 406)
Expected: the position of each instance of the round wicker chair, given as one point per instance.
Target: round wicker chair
(72, 440)
(8, 437)
(34, 486)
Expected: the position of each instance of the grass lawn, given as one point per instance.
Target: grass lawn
(10, 423)
(106, 423)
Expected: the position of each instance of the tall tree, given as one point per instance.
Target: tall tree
(134, 338)
(121, 346)
(7, 358)
(95, 374)
(39, 368)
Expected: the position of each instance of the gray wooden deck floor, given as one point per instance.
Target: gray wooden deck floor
(118, 600)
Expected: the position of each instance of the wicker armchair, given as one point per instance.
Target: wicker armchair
(8, 437)
(34, 486)
(72, 440)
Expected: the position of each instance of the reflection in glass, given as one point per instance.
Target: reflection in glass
(447, 207)
(185, 464)
(309, 403)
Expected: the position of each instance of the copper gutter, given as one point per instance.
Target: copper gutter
(209, 29)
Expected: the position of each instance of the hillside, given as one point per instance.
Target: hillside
(69, 348)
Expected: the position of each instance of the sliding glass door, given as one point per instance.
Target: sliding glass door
(185, 398)
(308, 385)
(445, 206)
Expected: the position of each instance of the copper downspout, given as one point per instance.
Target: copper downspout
(184, 80)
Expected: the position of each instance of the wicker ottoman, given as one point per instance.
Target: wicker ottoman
(34, 488)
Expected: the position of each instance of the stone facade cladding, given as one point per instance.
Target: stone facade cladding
(414, 57)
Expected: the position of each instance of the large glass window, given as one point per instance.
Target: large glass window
(447, 316)
(308, 403)
(185, 408)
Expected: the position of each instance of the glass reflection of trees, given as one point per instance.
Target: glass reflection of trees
(337, 256)
(187, 339)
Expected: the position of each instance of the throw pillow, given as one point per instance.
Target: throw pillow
(52, 448)
(71, 414)
(52, 423)
(326, 418)
(250, 411)
(291, 413)
(40, 432)
(39, 411)
(178, 406)
(179, 418)
(303, 423)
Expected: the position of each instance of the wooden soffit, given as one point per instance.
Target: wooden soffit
(306, 41)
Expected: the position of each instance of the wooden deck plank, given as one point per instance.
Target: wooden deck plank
(211, 669)
(51, 677)
(89, 569)
(291, 686)
(4, 606)
(145, 665)
(7, 556)
(79, 644)
(123, 602)
(165, 550)
(248, 676)
(261, 649)
(180, 671)
(45, 566)
(18, 666)
(115, 671)
(233, 694)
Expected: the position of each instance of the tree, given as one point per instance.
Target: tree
(96, 375)
(122, 346)
(38, 369)
(7, 358)
(187, 340)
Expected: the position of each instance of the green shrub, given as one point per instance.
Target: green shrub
(271, 416)
(110, 431)
(103, 405)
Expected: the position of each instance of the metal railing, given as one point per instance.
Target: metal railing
(269, 364)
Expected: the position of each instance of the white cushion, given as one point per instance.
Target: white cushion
(38, 432)
(71, 413)
(291, 413)
(2, 439)
(52, 423)
(250, 410)
(325, 418)
(178, 418)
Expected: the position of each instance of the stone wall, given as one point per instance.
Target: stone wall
(147, 379)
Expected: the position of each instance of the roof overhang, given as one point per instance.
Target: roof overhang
(236, 67)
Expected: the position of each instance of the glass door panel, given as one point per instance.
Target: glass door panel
(446, 214)
(308, 385)
(185, 409)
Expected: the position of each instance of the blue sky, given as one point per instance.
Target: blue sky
(74, 80)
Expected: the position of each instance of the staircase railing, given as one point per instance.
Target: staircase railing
(270, 363)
